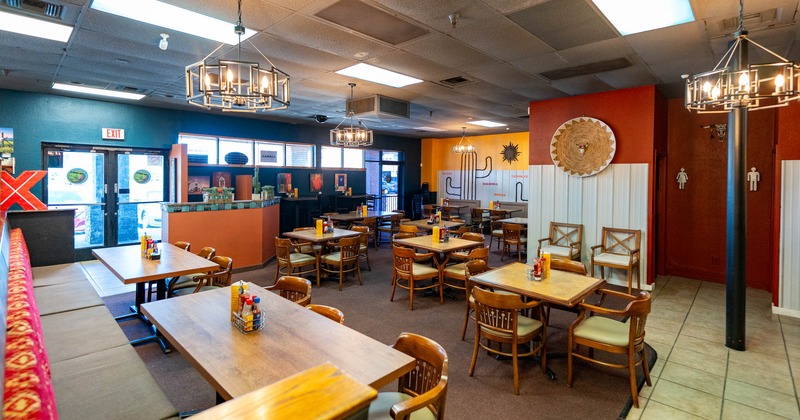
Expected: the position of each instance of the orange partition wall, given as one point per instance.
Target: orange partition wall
(437, 154)
(233, 233)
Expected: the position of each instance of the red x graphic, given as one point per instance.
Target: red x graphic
(19, 190)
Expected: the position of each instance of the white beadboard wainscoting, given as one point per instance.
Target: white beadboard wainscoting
(616, 197)
(789, 250)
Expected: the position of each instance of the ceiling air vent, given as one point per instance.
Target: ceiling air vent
(586, 69)
(37, 8)
(379, 107)
(455, 82)
(751, 20)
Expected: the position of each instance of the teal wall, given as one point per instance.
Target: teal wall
(38, 118)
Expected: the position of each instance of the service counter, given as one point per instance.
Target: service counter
(242, 230)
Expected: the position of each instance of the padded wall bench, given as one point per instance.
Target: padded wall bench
(95, 372)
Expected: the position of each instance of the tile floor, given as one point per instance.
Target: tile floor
(697, 377)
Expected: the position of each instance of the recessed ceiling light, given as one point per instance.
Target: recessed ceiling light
(485, 123)
(634, 16)
(24, 25)
(432, 129)
(97, 91)
(378, 75)
(173, 17)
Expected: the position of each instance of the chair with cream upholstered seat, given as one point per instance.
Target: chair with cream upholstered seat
(565, 241)
(344, 261)
(292, 262)
(497, 319)
(213, 280)
(610, 335)
(454, 276)
(363, 243)
(421, 393)
(187, 280)
(619, 248)
(512, 236)
(407, 270)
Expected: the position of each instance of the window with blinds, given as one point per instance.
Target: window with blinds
(226, 150)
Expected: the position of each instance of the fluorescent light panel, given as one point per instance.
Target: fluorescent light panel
(432, 129)
(486, 123)
(378, 75)
(97, 91)
(172, 17)
(634, 16)
(24, 25)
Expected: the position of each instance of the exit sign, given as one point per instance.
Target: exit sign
(113, 134)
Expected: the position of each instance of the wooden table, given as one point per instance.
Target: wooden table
(353, 216)
(293, 340)
(423, 224)
(321, 392)
(445, 248)
(127, 263)
(311, 235)
(561, 288)
(516, 220)
(450, 209)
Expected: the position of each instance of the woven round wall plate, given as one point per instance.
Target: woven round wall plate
(583, 146)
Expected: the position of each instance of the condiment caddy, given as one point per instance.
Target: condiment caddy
(246, 312)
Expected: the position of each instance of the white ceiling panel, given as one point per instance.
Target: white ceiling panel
(316, 34)
(447, 51)
(492, 37)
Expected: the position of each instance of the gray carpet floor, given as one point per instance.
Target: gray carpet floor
(597, 392)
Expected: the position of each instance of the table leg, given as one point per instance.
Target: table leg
(140, 294)
(135, 313)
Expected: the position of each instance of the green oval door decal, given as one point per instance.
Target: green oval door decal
(141, 176)
(77, 176)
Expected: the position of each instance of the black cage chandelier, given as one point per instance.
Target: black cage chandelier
(235, 85)
(758, 86)
(352, 135)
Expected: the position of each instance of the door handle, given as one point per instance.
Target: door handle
(116, 188)
(105, 188)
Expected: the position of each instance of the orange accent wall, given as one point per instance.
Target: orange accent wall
(437, 154)
(636, 116)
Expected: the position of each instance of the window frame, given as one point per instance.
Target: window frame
(255, 153)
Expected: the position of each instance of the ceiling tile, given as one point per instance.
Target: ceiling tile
(492, 37)
(564, 24)
(316, 34)
(581, 85)
(448, 52)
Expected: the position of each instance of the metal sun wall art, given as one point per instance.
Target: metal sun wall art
(583, 146)
(510, 152)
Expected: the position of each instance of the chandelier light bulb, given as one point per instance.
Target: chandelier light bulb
(208, 82)
(744, 82)
(715, 93)
(707, 87)
(780, 81)
(264, 83)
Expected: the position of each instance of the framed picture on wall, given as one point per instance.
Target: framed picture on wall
(197, 183)
(284, 182)
(221, 179)
(315, 182)
(341, 182)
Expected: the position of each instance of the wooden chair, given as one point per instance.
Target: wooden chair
(328, 312)
(609, 335)
(408, 270)
(180, 244)
(304, 246)
(363, 243)
(619, 249)
(344, 261)
(457, 272)
(497, 319)
(422, 392)
(372, 224)
(479, 223)
(213, 280)
(461, 256)
(291, 262)
(188, 281)
(471, 268)
(390, 227)
(408, 229)
(512, 236)
(565, 241)
(296, 289)
(496, 231)
(460, 231)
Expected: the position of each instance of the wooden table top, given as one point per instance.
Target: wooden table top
(426, 243)
(311, 235)
(127, 263)
(321, 392)
(562, 287)
(509, 211)
(515, 220)
(423, 224)
(293, 340)
(353, 216)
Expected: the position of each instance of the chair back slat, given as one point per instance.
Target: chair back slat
(430, 370)
(621, 241)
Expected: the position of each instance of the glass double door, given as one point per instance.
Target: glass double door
(115, 193)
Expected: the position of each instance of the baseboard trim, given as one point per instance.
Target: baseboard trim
(777, 310)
